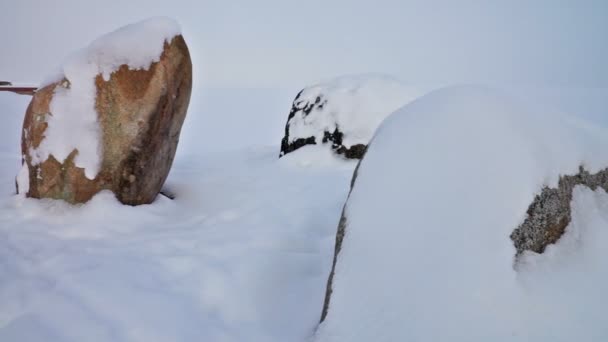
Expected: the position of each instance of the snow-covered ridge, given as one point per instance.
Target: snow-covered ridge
(427, 254)
(353, 105)
(72, 121)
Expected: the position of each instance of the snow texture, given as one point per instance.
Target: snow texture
(72, 121)
(215, 264)
(23, 180)
(244, 251)
(353, 105)
(241, 254)
(426, 254)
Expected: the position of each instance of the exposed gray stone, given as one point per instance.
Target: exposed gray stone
(339, 238)
(550, 212)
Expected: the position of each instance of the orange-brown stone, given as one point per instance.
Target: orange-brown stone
(140, 113)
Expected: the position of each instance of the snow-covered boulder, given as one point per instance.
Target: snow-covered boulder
(111, 119)
(426, 249)
(344, 113)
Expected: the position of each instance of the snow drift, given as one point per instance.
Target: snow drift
(426, 253)
(343, 113)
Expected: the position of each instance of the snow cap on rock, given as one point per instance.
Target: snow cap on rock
(343, 113)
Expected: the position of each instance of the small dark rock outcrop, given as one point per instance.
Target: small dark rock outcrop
(305, 107)
(550, 212)
(343, 114)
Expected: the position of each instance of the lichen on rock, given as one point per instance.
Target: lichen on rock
(550, 212)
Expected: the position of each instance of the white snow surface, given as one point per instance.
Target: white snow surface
(355, 104)
(244, 251)
(427, 255)
(23, 179)
(242, 254)
(72, 121)
(235, 257)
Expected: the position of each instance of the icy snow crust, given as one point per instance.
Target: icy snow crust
(72, 121)
(427, 254)
(356, 105)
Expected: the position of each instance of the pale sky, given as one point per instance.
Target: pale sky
(274, 43)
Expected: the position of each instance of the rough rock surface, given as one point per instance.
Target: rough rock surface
(140, 113)
(343, 113)
(550, 212)
(339, 238)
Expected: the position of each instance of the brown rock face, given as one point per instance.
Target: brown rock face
(140, 113)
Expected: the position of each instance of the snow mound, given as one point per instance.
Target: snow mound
(72, 123)
(427, 254)
(344, 112)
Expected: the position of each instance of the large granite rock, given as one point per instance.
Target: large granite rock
(129, 142)
(443, 184)
(343, 114)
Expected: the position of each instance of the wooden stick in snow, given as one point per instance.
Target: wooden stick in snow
(8, 86)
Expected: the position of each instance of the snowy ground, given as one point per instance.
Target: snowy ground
(242, 254)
